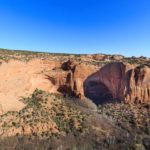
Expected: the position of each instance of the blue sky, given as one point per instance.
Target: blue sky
(76, 26)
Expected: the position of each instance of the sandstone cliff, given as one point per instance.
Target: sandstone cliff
(119, 81)
(93, 76)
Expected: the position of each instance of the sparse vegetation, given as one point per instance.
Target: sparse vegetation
(48, 110)
(24, 55)
(128, 116)
(51, 121)
(133, 118)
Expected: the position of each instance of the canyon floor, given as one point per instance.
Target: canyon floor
(74, 102)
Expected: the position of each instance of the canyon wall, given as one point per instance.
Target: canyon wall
(120, 81)
(124, 82)
(115, 81)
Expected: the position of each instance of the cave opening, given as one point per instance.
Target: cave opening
(97, 92)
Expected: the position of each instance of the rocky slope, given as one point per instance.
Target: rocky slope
(46, 101)
(50, 121)
(92, 76)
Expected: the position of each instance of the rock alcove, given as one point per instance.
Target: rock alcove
(97, 92)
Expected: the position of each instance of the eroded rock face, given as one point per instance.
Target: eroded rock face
(68, 65)
(77, 73)
(138, 85)
(113, 81)
(19, 79)
(119, 81)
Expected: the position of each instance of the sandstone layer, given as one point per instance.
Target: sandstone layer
(119, 81)
(129, 83)
(19, 79)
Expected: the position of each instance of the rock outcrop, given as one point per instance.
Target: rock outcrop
(106, 84)
(138, 85)
(19, 79)
(77, 73)
(121, 82)
(129, 83)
